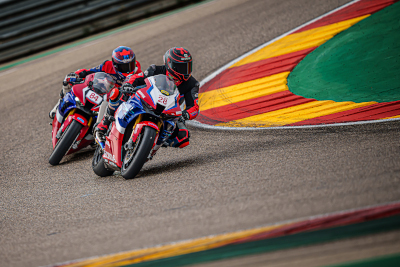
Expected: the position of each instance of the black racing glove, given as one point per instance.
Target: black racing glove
(128, 88)
(185, 115)
(83, 74)
(71, 78)
(150, 71)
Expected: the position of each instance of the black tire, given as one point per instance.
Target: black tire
(64, 143)
(98, 164)
(142, 150)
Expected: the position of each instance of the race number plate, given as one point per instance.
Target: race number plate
(94, 97)
(162, 100)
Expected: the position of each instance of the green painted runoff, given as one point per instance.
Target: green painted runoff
(386, 261)
(360, 64)
(278, 243)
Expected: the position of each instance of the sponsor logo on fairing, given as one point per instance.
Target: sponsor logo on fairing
(153, 124)
(80, 119)
(164, 92)
(108, 156)
(107, 143)
(141, 94)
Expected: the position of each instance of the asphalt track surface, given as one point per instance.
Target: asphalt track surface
(224, 181)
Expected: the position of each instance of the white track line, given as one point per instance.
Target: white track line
(213, 75)
(198, 124)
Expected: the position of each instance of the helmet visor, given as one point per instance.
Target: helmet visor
(184, 68)
(126, 67)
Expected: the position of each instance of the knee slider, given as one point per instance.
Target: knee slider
(115, 94)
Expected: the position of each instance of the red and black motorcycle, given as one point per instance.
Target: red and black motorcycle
(140, 127)
(77, 113)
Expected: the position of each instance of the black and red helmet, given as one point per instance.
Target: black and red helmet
(123, 59)
(178, 62)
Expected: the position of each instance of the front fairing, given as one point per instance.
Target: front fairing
(67, 103)
(174, 109)
(162, 94)
(84, 100)
(127, 112)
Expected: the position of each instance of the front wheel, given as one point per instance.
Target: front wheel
(136, 157)
(65, 142)
(98, 164)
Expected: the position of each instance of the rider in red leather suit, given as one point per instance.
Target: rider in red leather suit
(122, 65)
(178, 66)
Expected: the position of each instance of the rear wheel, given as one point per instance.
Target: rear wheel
(65, 142)
(135, 158)
(98, 164)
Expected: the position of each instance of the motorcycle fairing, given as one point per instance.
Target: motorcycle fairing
(79, 118)
(113, 146)
(127, 112)
(85, 94)
(153, 97)
(67, 104)
(56, 126)
(175, 110)
(79, 91)
(145, 93)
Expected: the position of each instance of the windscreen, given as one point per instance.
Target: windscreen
(165, 83)
(102, 83)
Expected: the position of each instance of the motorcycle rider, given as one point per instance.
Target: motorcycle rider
(122, 65)
(178, 67)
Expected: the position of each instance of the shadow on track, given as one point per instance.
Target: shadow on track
(82, 155)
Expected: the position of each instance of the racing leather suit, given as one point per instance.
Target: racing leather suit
(119, 78)
(107, 67)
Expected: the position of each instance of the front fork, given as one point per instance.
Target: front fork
(168, 128)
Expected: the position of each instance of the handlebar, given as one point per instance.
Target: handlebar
(128, 92)
(78, 80)
(135, 89)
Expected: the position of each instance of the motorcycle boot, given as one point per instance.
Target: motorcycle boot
(52, 112)
(101, 128)
(180, 137)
